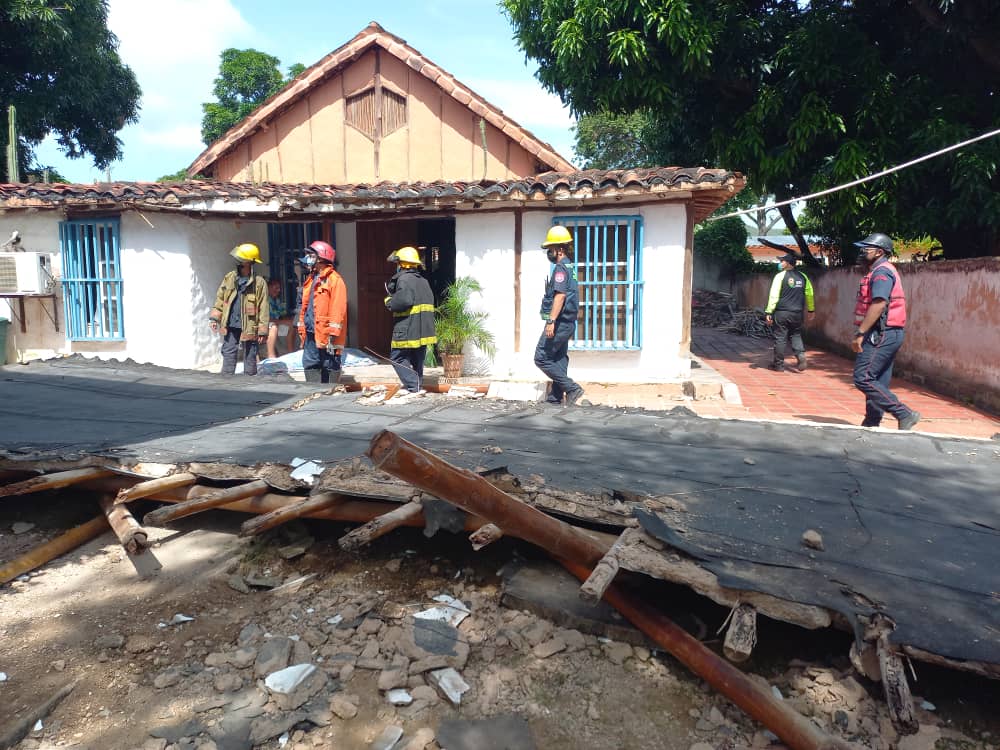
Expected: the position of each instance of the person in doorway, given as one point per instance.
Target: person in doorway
(411, 302)
(880, 318)
(322, 319)
(559, 308)
(790, 299)
(280, 324)
(241, 311)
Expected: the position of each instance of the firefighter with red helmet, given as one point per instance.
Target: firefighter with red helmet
(323, 314)
(879, 317)
(241, 311)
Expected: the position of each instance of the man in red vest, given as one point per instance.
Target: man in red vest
(880, 317)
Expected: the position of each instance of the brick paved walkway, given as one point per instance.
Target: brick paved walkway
(823, 393)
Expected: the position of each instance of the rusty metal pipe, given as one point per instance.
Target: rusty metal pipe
(580, 553)
(152, 486)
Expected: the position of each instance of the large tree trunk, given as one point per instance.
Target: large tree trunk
(793, 229)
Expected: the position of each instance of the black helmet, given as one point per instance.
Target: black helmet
(876, 239)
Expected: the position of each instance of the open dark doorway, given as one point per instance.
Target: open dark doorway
(376, 239)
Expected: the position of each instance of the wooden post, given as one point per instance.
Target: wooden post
(603, 573)
(485, 535)
(896, 688)
(579, 552)
(741, 636)
(268, 521)
(163, 516)
(349, 511)
(380, 526)
(51, 549)
(133, 537)
(145, 489)
(53, 481)
(518, 242)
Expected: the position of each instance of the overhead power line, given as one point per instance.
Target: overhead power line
(862, 180)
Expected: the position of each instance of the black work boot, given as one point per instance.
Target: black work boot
(313, 375)
(801, 363)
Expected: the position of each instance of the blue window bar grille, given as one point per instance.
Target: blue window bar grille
(92, 279)
(608, 263)
(286, 243)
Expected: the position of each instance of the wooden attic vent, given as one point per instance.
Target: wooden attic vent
(361, 108)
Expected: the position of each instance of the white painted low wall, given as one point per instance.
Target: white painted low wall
(953, 322)
(171, 266)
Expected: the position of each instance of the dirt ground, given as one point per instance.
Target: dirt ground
(142, 682)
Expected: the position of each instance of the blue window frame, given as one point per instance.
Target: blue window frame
(92, 279)
(608, 263)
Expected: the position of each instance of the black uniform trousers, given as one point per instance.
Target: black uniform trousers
(409, 366)
(552, 358)
(787, 325)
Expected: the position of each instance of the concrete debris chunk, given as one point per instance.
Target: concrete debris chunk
(21, 527)
(343, 707)
(450, 684)
(399, 697)
(812, 539)
(387, 739)
(293, 686)
(450, 610)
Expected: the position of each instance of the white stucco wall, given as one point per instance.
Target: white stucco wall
(171, 266)
(484, 245)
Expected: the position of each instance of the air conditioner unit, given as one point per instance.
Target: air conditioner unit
(25, 273)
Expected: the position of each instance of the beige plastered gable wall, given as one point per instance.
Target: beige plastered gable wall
(440, 138)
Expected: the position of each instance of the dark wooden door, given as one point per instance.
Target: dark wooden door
(376, 239)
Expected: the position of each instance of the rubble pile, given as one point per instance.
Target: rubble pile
(347, 666)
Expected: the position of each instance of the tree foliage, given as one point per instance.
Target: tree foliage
(725, 242)
(246, 79)
(59, 67)
(802, 96)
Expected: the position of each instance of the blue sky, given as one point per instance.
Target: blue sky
(173, 46)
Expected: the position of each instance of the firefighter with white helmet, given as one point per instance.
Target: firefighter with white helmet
(241, 311)
(322, 315)
(411, 302)
(559, 309)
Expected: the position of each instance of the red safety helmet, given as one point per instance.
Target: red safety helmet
(324, 250)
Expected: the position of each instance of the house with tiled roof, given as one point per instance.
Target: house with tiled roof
(371, 148)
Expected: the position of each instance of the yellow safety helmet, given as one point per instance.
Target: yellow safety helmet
(406, 255)
(246, 252)
(558, 235)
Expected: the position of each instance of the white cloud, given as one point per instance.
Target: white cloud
(524, 101)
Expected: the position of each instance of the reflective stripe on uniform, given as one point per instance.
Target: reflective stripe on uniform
(413, 311)
(414, 343)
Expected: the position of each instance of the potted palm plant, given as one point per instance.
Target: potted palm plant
(456, 325)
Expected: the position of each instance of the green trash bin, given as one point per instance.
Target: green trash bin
(4, 324)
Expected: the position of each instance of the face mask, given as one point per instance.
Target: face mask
(552, 255)
(309, 261)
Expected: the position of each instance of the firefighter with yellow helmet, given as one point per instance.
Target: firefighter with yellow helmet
(241, 312)
(411, 302)
(559, 309)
